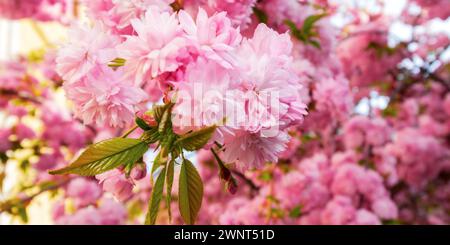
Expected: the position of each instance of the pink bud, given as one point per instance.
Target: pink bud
(149, 119)
(232, 186)
(138, 172)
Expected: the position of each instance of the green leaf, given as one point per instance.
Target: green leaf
(306, 33)
(165, 122)
(315, 43)
(106, 155)
(23, 214)
(190, 192)
(261, 15)
(196, 140)
(142, 124)
(158, 111)
(155, 199)
(156, 163)
(309, 22)
(295, 31)
(151, 136)
(296, 212)
(169, 184)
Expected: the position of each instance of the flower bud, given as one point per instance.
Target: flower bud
(138, 172)
(232, 186)
(149, 119)
(116, 183)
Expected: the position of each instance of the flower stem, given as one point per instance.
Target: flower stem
(131, 130)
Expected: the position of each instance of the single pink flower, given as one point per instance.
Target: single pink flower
(156, 47)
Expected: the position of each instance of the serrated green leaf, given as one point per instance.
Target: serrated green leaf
(190, 192)
(106, 155)
(169, 184)
(155, 199)
(196, 140)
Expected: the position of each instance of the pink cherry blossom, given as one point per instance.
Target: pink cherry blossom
(91, 47)
(116, 183)
(105, 97)
(156, 48)
(211, 37)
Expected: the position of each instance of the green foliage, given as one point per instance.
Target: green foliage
(261, 15)
(196, 140)
(106, 155)
(169, 184)
(155, 199)
(190, 192)
(307, 32)
(109, 154)
(296, 212)
(390, 111)
(142, 124)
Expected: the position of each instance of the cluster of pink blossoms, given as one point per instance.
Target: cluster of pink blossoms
(41, 10)
(213, 72)
(88, 206)
(34, 121)
(389, 164)
(388, 167)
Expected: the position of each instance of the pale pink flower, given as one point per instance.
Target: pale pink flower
(86, 50)
(239, 11)
(105, 97)
(211, 37)
(83, 191)
(266, 71)
(5, 144)
(201, 97)
(123, 12)
(252, 151)
(112, 212)
(365, 217)
(155, 49)
(333, 95)
(117, 183)
(85, 216)
(339, 211)
(385, 209)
